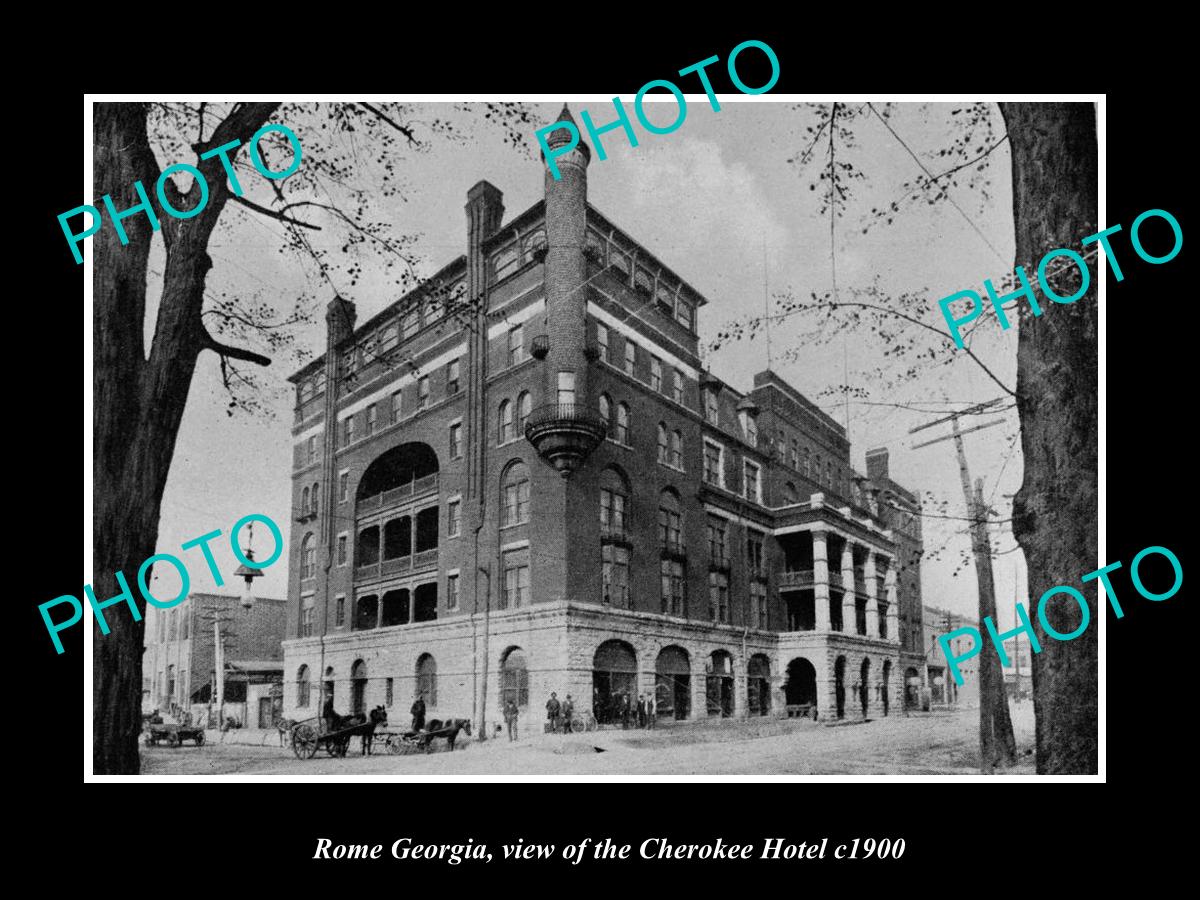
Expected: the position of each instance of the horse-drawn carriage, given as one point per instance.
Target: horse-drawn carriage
(172, 734)
(421, 741)
(334, 733)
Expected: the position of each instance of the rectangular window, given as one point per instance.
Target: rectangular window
(454, 518)
(714, 466)
(718, 596)
(630, 357)
(752, 485)
(348, 431)
(516, 345)
(754, 555)
(669, 522)
(516, 579)
(516, 503)
(422, 391)
(344, 486)
(340, 612)
(456, 440)
(663, 451)
(677, 449)
(302, 695)
(371, 419)
(677, 386)
(312, 449)
(396, 403)
(717, 551)
(566, 388)
(612, 510)
(684, 314)
(388, 694)
(452, 591)
(602, 341)
(306, 617)
(656, 373)
(758, 605)
(674, 600)
(749, 428)
(410, 322)
(712, 409)
(343, 544)
(614, 575)
(452, 369)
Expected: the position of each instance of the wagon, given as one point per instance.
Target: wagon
(398, 742)
(174, 735)
(308, 738)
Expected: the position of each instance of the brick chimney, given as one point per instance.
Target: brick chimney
(877, 465)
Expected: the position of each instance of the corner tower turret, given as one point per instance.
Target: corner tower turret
(566, 428)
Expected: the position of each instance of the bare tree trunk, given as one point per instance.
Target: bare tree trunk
(138, 402)
(1054, 165)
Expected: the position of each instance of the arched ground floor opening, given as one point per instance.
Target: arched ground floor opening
(614, 682)
(672, 688)
(800, 689)
(758, 685)
(719, 685)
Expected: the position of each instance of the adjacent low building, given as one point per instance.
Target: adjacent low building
(178, 665)
(939, 685)
(520, 478)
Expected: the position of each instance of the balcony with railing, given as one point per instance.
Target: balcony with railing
(409, 490)
(425, 561)
(565, 434)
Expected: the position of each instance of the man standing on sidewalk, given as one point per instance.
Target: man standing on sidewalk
(510, 717)
(553, 709)
(568, 710)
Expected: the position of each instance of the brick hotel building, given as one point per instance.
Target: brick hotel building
(547, 492)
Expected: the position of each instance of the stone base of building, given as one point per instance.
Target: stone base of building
(595, 655)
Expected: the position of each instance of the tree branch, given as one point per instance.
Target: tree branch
(250, 204)
(208, 342)
(407, 132)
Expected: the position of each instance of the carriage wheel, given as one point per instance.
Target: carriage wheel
(592, 724)
(304, 742)
(578, 724)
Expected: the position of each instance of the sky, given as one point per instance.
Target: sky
(717, 201)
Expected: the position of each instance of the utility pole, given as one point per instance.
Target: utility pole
(996, 741)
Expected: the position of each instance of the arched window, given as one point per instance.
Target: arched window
(524, 408)
(506, 421)
(614, 500)
(606, 413)
(662, 442)
(817, 474)
(829, 473)
(427, 679)
(515, 494)
(795, 455)
(304, 502)
(622, 423)
(677, 449)
(302, 688)
(315, 493)
(670, 519)
(504, 261)
(514, 678)
(807, 470)
(532, 244)
(308, 557)
(789, 493)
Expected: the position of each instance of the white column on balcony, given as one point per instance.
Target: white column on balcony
(849, 621)
(820, 580)
(871, 589)
(893, 610)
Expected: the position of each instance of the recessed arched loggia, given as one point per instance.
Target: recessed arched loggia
(719, 684)
(395, 608)
(614, 680)
(800, 689)
(400, 472)
(758, 685)
(366, 612)
(672, 690)
(425, 602)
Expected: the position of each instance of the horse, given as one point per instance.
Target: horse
(285, 726)
(453, 725)
(378, 717)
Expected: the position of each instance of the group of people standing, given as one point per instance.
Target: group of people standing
(621, 708)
